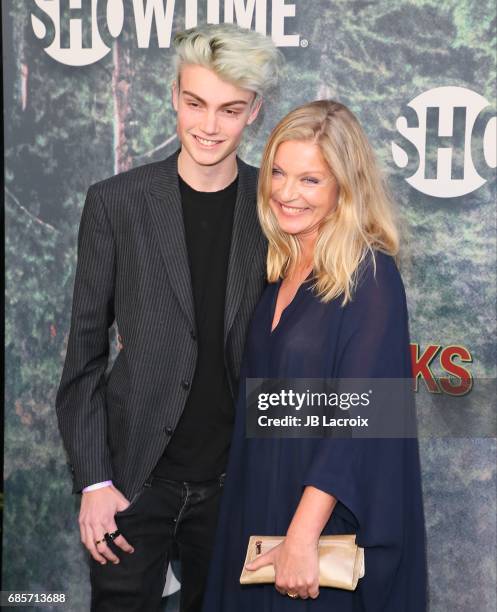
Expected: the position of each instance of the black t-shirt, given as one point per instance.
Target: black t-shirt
(199, 447)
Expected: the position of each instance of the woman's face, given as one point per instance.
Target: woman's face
(303, 189)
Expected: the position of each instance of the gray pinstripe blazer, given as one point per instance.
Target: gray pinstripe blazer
(133, 268)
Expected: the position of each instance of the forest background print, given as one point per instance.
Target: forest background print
(67, 127)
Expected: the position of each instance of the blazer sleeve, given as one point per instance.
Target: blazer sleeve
(80, 402)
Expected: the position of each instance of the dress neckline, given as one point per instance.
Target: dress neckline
(290, 304)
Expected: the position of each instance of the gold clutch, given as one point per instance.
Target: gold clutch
(341, 561)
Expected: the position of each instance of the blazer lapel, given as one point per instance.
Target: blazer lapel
(164, 202)
(245, 237)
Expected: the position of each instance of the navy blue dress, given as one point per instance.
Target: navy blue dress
(376, 481)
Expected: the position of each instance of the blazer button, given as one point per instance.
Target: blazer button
(185, 384)
(168, 430)
(193, 336)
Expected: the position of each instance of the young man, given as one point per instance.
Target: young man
(172, 252)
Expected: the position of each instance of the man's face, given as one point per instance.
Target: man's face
(211, 114)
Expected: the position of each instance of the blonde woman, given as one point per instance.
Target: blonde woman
(335, 308)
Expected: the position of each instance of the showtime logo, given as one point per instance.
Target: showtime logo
(81, 32)
(450, 140)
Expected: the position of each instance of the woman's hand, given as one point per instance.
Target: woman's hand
(296, 567)
(295, 560)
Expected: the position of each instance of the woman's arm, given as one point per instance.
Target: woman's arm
(295, 561)
(312, 514)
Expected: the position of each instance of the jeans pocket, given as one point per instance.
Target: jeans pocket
(133, 502)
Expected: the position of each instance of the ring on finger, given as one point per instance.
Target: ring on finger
(292, 595)
(112, 536)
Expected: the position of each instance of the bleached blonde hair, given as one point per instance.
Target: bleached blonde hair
(363, 220)
(237, 55)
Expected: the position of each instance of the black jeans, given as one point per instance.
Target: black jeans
(162, 514)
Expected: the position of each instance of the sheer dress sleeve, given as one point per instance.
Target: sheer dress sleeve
(370, 477)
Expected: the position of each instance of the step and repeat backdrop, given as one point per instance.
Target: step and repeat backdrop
(87, 95)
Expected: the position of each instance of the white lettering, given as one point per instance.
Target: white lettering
(300, 400)
(280, 12)
(212, 11)
(191, 10)
(244, 13)
(89, 40)
(154, 10)
(115, 17)
(75, 54)
(442, 148)
(286, 421)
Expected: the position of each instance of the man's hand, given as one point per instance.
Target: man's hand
(96, 517)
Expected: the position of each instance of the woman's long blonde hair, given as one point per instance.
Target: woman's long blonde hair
(363, 220)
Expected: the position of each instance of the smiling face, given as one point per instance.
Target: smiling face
(211, 115)
(303, 189)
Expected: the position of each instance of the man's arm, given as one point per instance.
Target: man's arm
(80, 403)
